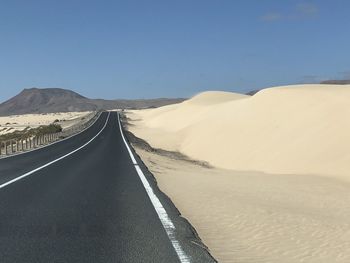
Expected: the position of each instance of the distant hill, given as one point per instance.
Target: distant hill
(252, 92)
(50, 100)
(336, 81)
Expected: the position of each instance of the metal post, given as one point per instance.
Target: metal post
(6, 148)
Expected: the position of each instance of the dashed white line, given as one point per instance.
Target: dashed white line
(162, 214)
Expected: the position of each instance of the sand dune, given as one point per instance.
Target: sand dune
(302, 129)
(279, 190)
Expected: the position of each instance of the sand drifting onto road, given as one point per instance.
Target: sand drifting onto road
(279, 190)
(258, 217)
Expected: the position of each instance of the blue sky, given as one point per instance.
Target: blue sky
(146, 49)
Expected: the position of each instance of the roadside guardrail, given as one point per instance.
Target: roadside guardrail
(18, 145)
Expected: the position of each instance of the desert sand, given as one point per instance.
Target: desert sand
(279, 188)
(257, 217)
(301, 129)
(12, 123)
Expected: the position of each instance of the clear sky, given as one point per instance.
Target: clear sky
(145, 49)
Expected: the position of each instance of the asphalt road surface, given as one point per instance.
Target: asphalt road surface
(82, 200)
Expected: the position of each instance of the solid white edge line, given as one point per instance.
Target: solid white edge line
(42, 147)
(162, 214)
(56, 160)
(126, 144)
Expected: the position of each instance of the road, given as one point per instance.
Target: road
(82, 200)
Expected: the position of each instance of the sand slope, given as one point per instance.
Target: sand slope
(251, 217)
(269, 204)
(300, 129)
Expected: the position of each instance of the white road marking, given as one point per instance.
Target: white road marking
(127, 146)
(16, 154)
(56, 160)
(162, 214)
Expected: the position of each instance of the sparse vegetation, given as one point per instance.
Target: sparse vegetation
(27, 132)
(48, 129)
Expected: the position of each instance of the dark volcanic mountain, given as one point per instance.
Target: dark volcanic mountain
(336, 81)
(36, 100)
(253, 92)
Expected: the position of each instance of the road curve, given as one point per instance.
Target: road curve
(85, 203)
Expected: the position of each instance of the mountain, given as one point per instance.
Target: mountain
(336, 81)
(50, 100)
(252, 92)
